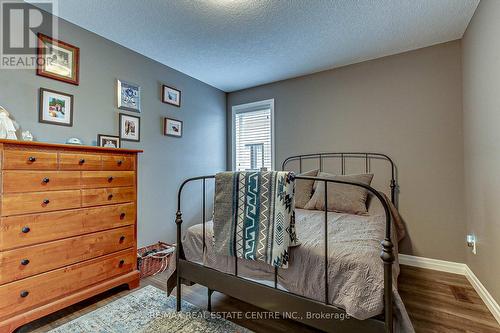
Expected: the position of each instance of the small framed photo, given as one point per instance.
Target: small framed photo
(109, 141)
(55, 108)
(172, 127)
(129, 96)
(170, 96)
(130, 127)
(58, 60)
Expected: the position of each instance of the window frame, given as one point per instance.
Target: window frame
(249, 107)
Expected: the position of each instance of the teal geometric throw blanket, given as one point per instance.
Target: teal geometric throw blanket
(253, 215)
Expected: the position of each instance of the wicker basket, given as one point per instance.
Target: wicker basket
(150, 262)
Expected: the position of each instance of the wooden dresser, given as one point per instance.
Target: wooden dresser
(67, 226)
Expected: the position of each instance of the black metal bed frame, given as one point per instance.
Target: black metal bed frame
(284, 302)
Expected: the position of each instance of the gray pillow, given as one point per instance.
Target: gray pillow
(304, 189)
(342, 198)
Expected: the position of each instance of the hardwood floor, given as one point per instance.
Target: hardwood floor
(443, 302)
(437, 303)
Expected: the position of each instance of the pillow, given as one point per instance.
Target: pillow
(342, 198)
(304, 188)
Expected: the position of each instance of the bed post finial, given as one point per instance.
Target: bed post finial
(388, 258)
(394, 186)
(387, 251)
(178, 222)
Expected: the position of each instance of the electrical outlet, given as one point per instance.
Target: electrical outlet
(471, 242)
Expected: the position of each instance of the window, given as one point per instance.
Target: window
(253, 141)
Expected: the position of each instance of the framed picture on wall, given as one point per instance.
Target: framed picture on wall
(171, 96)
(55, 108)
(58, 60)
(130, 127)
(129, 96)
(172, 127)
(109, 141)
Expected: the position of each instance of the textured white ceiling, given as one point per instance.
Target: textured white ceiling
(235, 44)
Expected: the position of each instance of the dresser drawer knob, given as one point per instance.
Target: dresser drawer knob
(121, 262)
(25, 230)
(45, 180)
(24, 293)
(122, 238)
(110, 179)
(119, 162)
(24, 262)
(46, 201)
(32, 159)
(110, 196)
(122, 216)
(82, 161)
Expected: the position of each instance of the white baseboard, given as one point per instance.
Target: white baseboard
(483, 293)
(434, 264)
(456, 268)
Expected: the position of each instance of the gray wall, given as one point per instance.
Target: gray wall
(481, 99)
(166, 161)
(408, 106)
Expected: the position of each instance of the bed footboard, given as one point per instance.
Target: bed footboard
(288, 305)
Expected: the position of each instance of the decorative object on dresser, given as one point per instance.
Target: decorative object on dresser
(67, 226)
(130, 127)
(172, 127)
(170, 95)
(74, 141)
(58, 60)
(129, 96)
(55, 108)
(8, 127)
(109, 141)
(27, 136)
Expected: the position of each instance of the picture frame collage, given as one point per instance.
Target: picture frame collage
(59, 60)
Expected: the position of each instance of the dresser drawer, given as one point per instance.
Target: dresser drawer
(109, 216)
(93, 179)
(68, 161)
(27, 261)
(29, 159)
(118, 162)
(18, 231)
(25, 203)
(106, 196)
(37, 181)
(39, 289)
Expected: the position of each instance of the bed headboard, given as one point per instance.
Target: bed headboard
(346, 157)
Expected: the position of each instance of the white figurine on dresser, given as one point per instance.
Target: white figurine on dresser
(27, 136)
(8, 127)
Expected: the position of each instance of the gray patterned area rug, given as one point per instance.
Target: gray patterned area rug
(148, 310)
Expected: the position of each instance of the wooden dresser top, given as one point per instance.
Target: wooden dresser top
(68, 146)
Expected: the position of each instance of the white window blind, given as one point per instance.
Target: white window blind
(252, 139)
